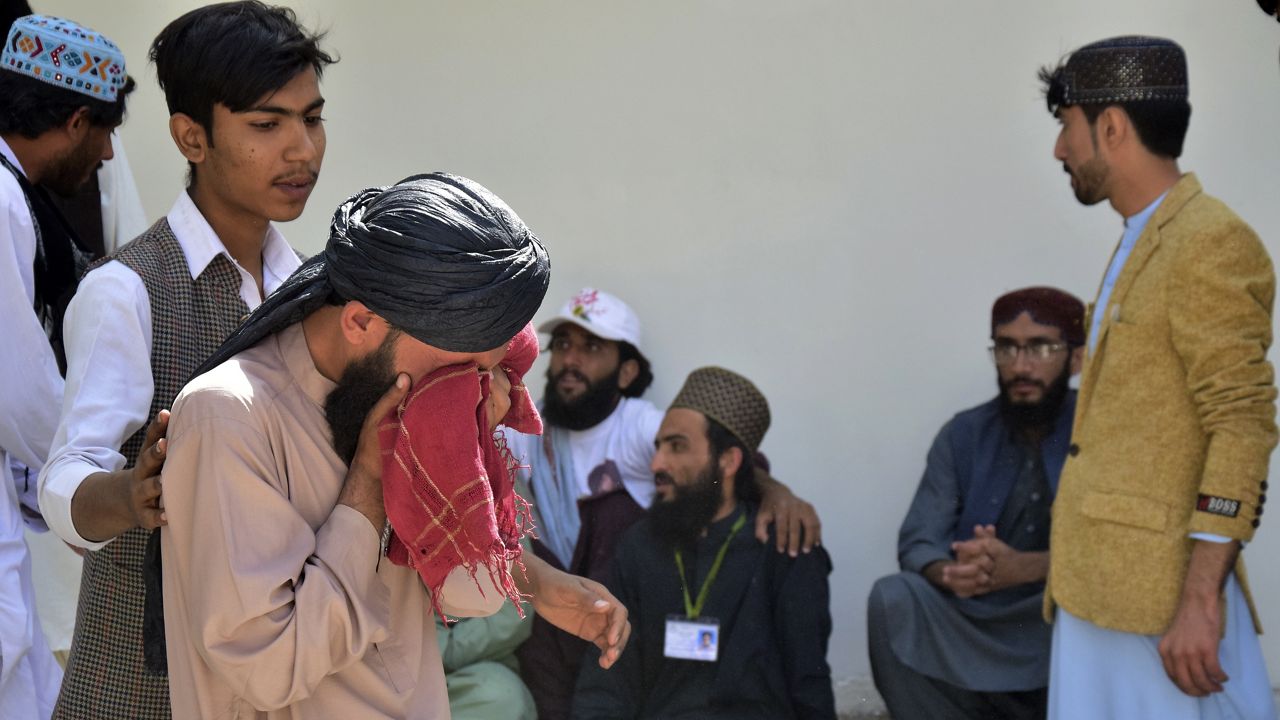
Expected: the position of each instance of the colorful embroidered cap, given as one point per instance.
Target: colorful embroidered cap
(63, 53)
(729, 399)
(600, 314)
(1117, 70)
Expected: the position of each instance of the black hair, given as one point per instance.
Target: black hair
(627, 351)
(720, 441)
(232, 54)
(32, 107)
(1161, 124)
(11, 10)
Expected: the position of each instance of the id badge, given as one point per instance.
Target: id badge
(692, 639)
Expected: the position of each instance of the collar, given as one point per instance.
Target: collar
(200, 244)
(1187, 187)
(292, 342)
(1140, 220)
(8, 154)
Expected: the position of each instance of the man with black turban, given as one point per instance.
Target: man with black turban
(957, 633)
(278, 599)
(1167, 471)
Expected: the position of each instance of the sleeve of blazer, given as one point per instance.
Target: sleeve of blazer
(1220, 301)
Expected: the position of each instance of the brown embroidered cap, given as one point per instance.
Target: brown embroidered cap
(729, 399)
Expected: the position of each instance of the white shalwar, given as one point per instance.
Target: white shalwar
(1100, 674)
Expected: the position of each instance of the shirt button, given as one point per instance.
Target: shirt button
(1035, 497)
(1031, 528)
(1031, 464)
(1074, 450)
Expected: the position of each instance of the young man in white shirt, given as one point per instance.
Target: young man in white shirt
(55, 130)
(242, 84)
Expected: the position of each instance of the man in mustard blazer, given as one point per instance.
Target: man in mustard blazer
(1175, 421)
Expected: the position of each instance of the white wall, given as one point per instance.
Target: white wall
(825, 196)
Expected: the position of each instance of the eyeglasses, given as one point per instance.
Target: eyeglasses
(1036, 352)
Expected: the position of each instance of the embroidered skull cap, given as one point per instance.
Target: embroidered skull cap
(63, 53)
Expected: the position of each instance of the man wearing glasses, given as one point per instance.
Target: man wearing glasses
(958, 633)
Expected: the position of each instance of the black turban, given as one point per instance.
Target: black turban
(437, 255)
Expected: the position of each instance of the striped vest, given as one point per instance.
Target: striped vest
(190, 318)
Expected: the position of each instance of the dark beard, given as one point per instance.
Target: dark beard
(69, 173)
(589, 409)
(1035, 417)
(680, 521)
(362, 384)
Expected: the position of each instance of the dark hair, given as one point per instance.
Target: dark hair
(627, 351)
(11, 10)
(32, 107)
(1161, 124)
(720, 441)
(232, 54)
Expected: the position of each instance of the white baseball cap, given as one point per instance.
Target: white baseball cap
(600, 314)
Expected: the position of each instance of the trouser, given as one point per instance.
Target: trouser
(911, 695)
(488, 691)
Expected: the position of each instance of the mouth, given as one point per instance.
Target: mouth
(297, 186)
(662, 480)
(571, 380)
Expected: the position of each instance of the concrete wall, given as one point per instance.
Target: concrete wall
(825, 196)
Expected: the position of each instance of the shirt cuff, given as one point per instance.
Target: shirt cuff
(1210, 537)
(58, 485)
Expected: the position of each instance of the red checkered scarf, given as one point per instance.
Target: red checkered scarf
(447, 481)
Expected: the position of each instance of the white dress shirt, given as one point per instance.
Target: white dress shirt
(108, 339)
(30, 393)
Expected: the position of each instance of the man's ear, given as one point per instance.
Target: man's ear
(189, 136)
(730, 461)
(78, 124)
(362, 327)
(1077, 359)
(1114, 128)
(627, 373)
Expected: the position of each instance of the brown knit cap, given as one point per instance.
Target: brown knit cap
(729, 399)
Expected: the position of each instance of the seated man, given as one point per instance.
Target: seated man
(588, 474)
(958, 633)
(725, 626)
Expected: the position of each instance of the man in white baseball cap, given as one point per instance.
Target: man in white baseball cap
(588, 474)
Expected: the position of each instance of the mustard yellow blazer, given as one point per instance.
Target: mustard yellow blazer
(1175, 419)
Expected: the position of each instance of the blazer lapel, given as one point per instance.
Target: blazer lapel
(1179, 195)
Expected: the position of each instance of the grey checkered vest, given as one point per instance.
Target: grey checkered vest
(105, 678)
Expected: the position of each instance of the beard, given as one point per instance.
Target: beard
(362, 384)
(588, 409)
(1038, 415)
(679, 522)
(1091, 179)
(69, 173)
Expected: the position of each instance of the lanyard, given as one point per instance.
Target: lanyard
(694, 610)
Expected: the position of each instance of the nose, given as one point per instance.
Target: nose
(1060, 148)
(305, 144)
(571, 357)
(108, 151)
(658, 463)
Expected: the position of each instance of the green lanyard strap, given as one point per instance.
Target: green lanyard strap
(693, 610)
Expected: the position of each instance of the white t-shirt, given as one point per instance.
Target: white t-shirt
(617, 450)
